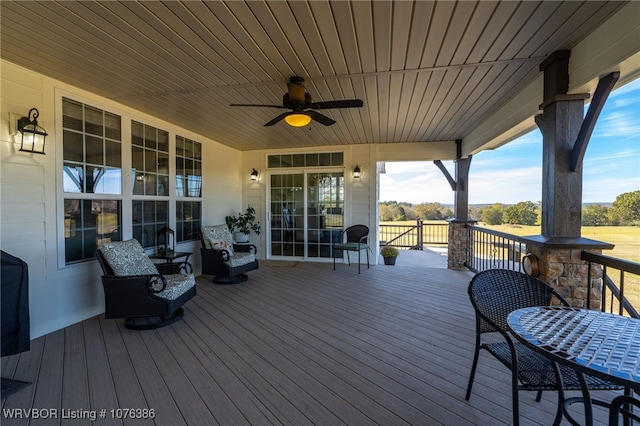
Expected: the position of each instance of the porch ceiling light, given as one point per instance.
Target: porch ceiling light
(33, 136)
(297, 119)
(356, 172)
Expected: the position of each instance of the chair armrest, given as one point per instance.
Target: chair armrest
(224, 254)
(219, 254)
(135, 296)
(169, 268)
(245, 248)
(135, 283)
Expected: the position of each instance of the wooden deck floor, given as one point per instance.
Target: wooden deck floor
(294, 346)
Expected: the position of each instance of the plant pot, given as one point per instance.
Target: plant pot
(241, 237)
(389, 260)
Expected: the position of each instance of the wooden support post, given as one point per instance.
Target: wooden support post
(560, 125)
(565, 135)
(459, 184)
(461, 202)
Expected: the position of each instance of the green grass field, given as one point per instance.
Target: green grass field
(625, 238)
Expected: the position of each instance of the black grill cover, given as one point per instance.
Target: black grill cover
(15, 305)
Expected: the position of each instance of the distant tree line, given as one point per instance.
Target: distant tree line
(395, 211)
(624, 211)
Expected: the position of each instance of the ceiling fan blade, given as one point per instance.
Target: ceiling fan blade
(345, 103)
(322, 119)
(257, 105)
(277, 119)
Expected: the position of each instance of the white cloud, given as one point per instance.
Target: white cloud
(415, 182)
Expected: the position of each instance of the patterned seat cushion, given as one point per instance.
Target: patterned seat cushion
(127, 258)
(177, 285)
(217, 237)
(240, 259)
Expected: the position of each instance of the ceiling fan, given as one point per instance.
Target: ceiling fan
(303, 109)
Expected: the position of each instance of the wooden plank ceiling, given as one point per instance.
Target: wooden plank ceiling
(425, 70)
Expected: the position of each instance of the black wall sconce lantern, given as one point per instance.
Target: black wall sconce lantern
(254, 175)
(33, 136)
(356, 172)
(166, 241)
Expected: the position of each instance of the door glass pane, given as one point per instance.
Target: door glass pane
(325, 199)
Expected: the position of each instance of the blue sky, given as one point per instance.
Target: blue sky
(513, 172)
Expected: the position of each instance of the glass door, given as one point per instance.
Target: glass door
(306, 213)
(286, 227)
(325, 201)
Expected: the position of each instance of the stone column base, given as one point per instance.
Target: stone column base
(459, 243)
(561, 267)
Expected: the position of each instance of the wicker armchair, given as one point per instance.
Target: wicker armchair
(228, 262)
(148, 295)
(494, 294)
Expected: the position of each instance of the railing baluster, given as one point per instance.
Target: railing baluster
(621, 291)
(589, 285)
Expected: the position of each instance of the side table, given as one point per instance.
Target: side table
(185, 266)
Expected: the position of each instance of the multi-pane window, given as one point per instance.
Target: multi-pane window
(91, 149)
(313, 159)
(88, 224)
(149, 160)
(188, 167)
(148, 218)
(95, 193)
(187, 220)
(92, 167)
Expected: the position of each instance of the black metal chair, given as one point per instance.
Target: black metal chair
(623, 405)
(148, 295)
(494, 294)
(353, 238)
(228, 262)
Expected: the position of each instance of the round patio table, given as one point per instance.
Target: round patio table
(591, 342)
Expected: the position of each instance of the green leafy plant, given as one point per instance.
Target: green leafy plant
(244, 222)
(389, 251)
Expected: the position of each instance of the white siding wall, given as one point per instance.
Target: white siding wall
(360, 195)
(30, 225)
(255, 195)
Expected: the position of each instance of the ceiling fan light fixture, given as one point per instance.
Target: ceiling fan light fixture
(297, 120)
(302, 109)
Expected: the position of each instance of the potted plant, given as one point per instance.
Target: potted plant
(244, 223)
(389, 254)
